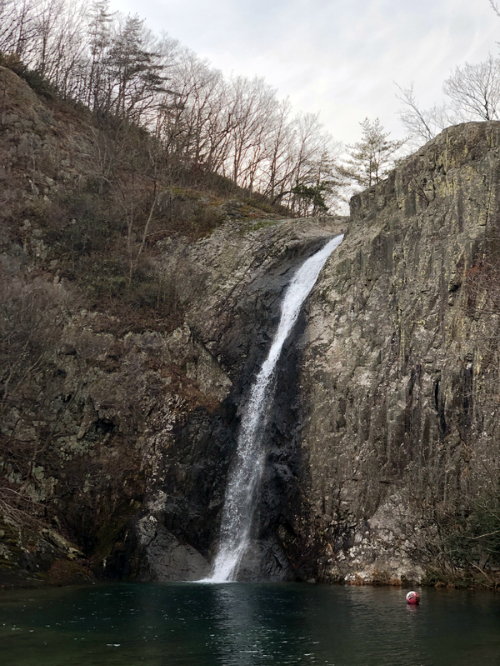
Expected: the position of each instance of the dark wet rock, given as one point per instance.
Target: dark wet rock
(164, 558)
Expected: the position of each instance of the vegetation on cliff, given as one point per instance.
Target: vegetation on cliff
(120, 70)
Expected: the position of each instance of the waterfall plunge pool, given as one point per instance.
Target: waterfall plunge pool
(237, 624)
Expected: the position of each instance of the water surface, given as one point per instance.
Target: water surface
(246, 624)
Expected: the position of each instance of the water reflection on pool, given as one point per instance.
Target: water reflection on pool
(240, 625)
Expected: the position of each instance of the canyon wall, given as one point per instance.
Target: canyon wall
(383, 453)
(399, 369)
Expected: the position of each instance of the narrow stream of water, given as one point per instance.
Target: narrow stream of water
(246, 473)
(239, 624)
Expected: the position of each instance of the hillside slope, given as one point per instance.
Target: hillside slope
(114, 349)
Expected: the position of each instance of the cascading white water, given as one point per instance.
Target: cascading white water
(247, 470)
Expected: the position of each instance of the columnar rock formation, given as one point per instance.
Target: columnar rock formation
(399, 374)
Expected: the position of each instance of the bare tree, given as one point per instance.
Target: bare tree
(474, 94)
(421, 124)
(99, 29)
(475, 90)
(195, 122)
(205, 123)
(252, 129)
(495, 8)
(45, 26)
(17, 27)
(278, 152)
(251, 102)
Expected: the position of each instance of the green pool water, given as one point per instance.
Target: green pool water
(239, 624)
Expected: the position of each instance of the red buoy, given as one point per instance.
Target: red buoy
(413, 598)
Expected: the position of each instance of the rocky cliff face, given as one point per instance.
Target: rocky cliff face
(115, 443)
(233, 289)
(399, 375)
(382, 443)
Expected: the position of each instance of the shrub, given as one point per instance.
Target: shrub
(477, 536)
(33, 78)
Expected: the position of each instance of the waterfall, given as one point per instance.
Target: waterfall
(239, 504)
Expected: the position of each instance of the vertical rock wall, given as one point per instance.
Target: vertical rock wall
(399, 383)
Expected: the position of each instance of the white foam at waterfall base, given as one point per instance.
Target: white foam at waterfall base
(247, 469)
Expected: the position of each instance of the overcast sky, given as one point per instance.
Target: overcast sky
(336, 57)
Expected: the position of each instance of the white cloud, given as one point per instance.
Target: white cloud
(338, 57)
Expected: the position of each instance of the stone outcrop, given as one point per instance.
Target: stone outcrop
(233, 291)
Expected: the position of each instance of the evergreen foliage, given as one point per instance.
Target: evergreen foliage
(370, 159)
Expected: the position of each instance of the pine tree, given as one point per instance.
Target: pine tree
(99, 36)
(135, 69)
(371, 158)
